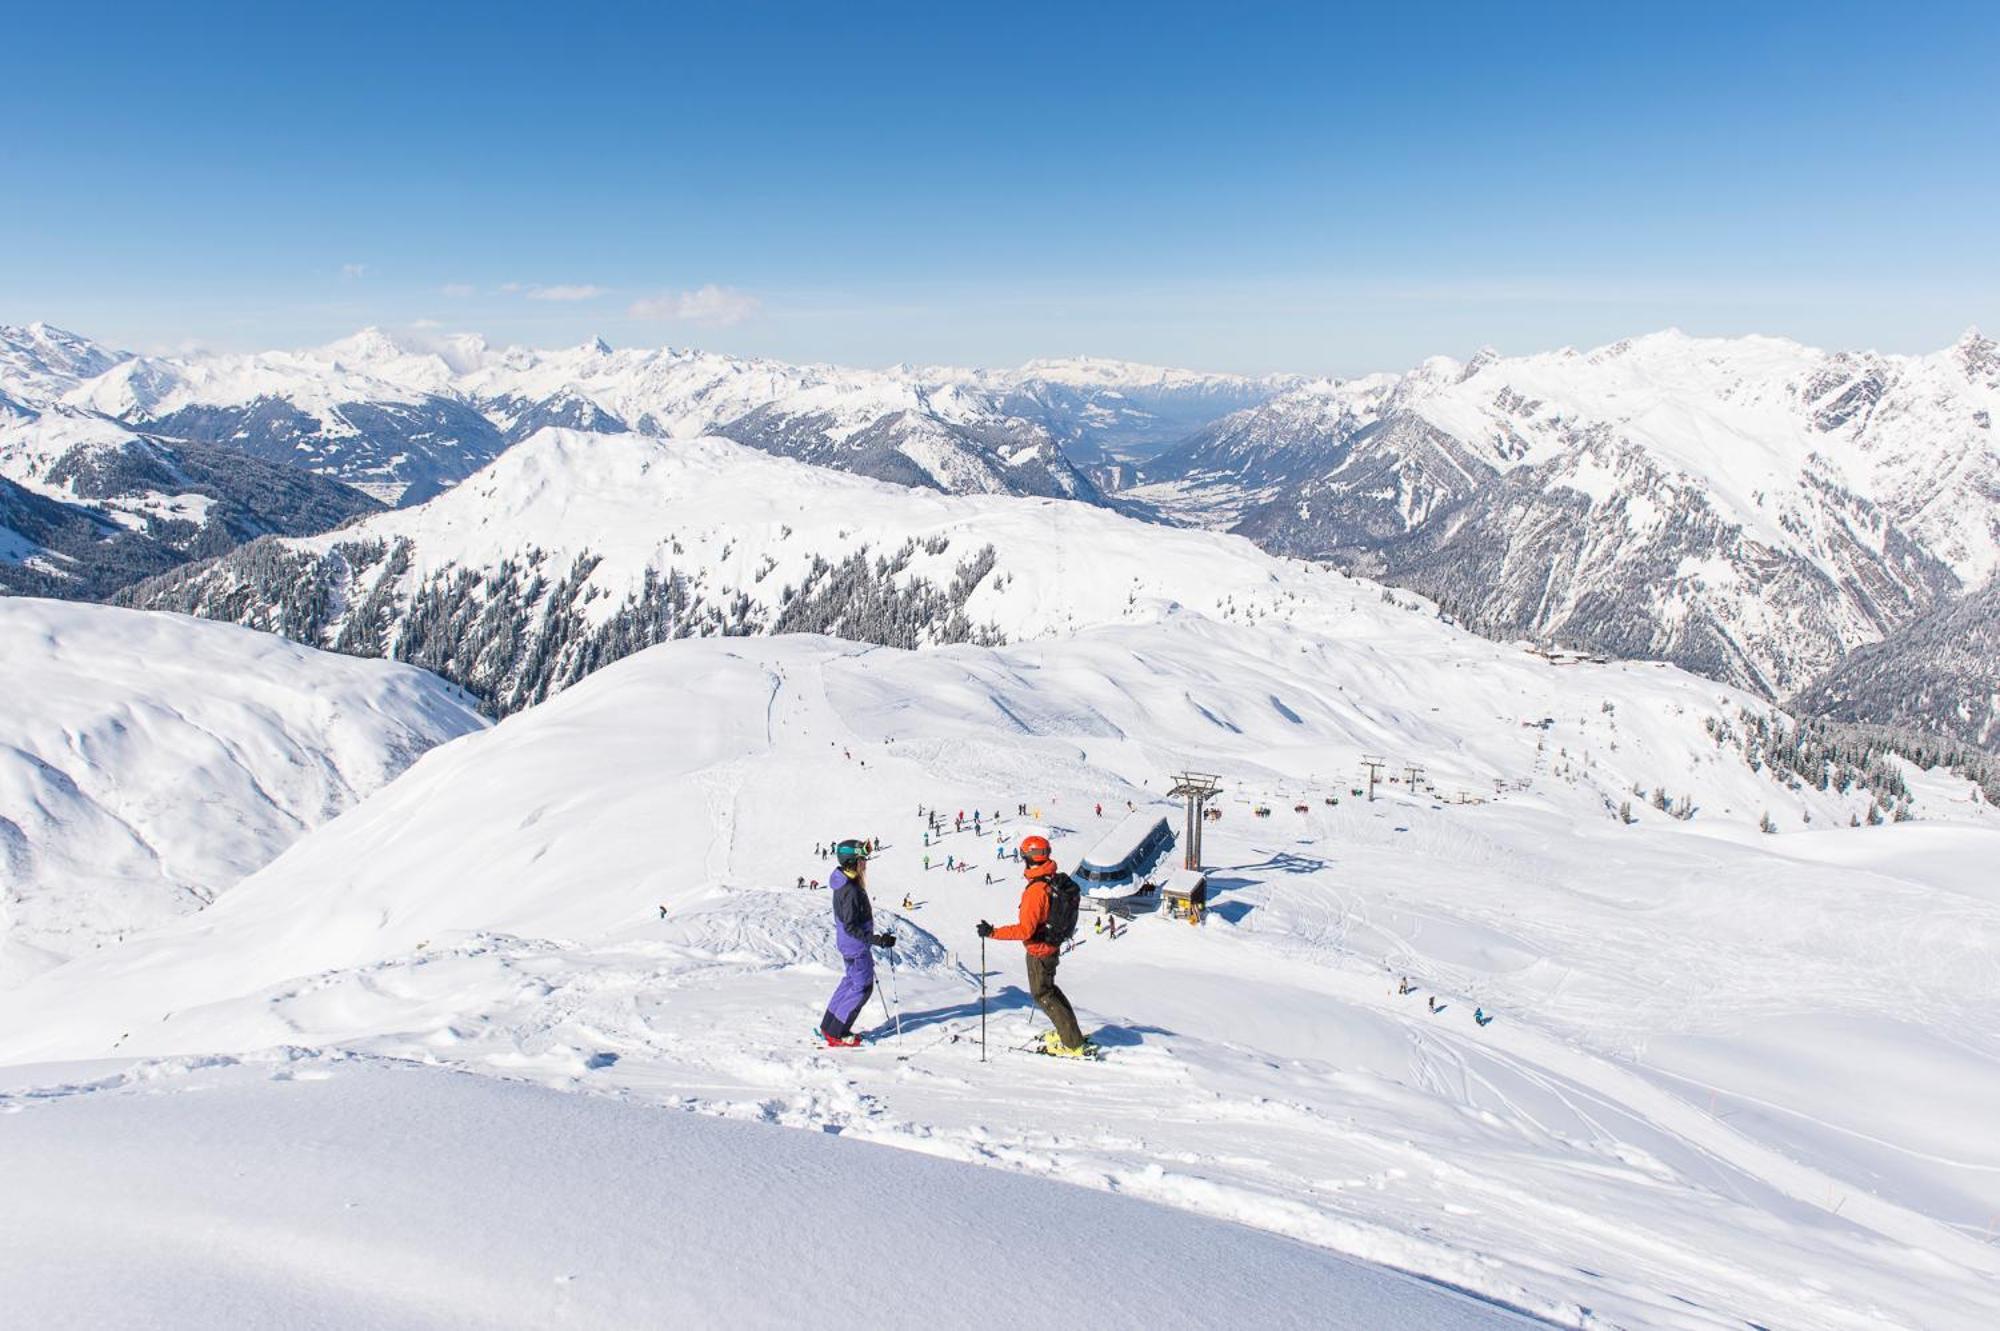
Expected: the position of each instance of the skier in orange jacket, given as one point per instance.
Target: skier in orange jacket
(1046, 887)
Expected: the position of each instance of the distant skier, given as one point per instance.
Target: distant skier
(1049, 906)
(927, 864)
(1432, 1000)
(1403, 987)
(1479, 1017)
(853, 933)
(663, 912)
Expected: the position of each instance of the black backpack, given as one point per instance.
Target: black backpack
(1065, 900)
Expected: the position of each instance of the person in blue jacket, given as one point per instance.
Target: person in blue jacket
(854, 934)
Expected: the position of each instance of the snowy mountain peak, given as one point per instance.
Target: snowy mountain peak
(42, 360)
(1481, 358)
(371, 346)
(1979, 356)
(597, 346)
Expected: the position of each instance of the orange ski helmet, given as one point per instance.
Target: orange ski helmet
(1035, 857)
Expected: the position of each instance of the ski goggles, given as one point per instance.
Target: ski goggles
(850, 850)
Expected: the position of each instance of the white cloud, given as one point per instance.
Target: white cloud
(350, 271)
(458, 290)
(568, 291)
(426, 323)
(710, 304)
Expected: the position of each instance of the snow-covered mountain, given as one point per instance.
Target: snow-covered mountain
(1661, 1128)
(1105, 410)
(40, 361)
(1663, 892)
(148, 762)
(405, 420)
(572, 550)
(1935, 673)
(1751, 508)
(93, 505)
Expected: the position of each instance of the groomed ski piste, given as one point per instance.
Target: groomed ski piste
(1733, 1079)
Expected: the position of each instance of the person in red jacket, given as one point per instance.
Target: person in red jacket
(1040, 871)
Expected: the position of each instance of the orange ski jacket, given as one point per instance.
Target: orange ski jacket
(1034, 913)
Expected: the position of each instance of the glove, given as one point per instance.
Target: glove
(985, 929)
(885, 940)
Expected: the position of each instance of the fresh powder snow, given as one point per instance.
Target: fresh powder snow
(149, 761)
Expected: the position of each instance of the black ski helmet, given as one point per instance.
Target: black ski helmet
(850, 852)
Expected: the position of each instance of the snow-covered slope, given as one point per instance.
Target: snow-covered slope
(1751, 508)
(1662, 1128)
(295, 1191)
(105, 505)
(53, 548)
(148, 762)
(574, 549)
(1940, 672)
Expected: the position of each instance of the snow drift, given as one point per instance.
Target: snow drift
(148, 762)
(357, 1193)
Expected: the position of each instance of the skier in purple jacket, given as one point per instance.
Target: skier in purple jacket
(853, 933)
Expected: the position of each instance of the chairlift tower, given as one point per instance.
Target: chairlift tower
(1374, 764)
(1197, 788)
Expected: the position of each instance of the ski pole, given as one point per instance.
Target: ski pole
(895, 999)
(982, 999)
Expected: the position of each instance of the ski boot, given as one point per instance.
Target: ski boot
(842, 1041)
(1053, 1045)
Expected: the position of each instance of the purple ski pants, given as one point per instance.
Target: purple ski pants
(856, 986)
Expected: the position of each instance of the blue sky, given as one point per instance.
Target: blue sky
(1312, 189)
